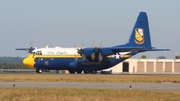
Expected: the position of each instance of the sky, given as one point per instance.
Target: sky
(65, 23)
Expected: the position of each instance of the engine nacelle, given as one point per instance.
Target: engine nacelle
(88, 51)
(73, 65)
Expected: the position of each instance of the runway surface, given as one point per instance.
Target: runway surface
(167, 86)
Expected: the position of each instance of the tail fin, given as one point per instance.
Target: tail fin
(140, 36)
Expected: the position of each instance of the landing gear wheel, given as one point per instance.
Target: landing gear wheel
(86, 72)
(71, 71)
(79, 71)
(39, 70)
(93, 72)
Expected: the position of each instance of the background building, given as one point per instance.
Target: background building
(147, 66)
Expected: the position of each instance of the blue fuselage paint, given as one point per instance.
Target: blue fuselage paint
(64, 63)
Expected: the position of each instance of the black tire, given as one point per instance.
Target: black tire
(39, 70)
(71, 71)
(79, 71)
(93, 72)
(86, 72)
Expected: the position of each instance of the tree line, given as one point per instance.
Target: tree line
(12, 63)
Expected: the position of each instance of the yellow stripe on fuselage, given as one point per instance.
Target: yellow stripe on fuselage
(60, 56)
(127, 56)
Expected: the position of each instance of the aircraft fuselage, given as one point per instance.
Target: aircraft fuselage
(68, 62)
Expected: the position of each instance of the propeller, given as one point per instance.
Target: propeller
(97, 52)
(80, 52)
(29, 50)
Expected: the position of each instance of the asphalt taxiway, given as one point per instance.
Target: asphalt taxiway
(166, 86)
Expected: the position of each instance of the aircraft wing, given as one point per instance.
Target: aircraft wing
(22, 48)
(28, 49)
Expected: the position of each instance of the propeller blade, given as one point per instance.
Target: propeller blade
(94, 44)
(31, 43)
(51, 45)
(44, 45)
(92, 56)
(84, 57)
(26, 52)
(101, 45)
(75, 46)
(100, 57)
(75, 58)
(83, 45)
(22, 49)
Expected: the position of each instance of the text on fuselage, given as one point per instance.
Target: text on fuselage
(58, 52)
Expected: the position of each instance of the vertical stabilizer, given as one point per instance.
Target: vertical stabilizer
(140, 36)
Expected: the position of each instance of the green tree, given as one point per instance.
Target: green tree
(143, 57)
(161, 57)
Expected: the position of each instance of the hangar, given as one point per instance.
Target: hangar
(147, 66)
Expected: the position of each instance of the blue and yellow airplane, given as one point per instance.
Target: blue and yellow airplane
(95, 58)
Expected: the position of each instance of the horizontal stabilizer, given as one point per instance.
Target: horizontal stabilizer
(158, 50)
(123, 49)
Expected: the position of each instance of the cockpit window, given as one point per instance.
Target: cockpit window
(37, 53)
(33, 53)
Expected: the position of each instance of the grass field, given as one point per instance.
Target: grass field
(83, 94)
(62, 94)
(89, 78)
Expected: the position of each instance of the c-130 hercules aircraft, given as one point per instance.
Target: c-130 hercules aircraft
(91, 59)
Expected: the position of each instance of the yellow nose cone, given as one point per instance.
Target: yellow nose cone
(29, 62)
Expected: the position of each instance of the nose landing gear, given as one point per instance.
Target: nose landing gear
(39, 70)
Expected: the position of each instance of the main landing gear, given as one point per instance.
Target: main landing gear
(90, 72)
(80, 71)
(73, 71)
(39, 70)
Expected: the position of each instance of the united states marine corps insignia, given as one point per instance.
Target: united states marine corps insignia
(139, 36)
